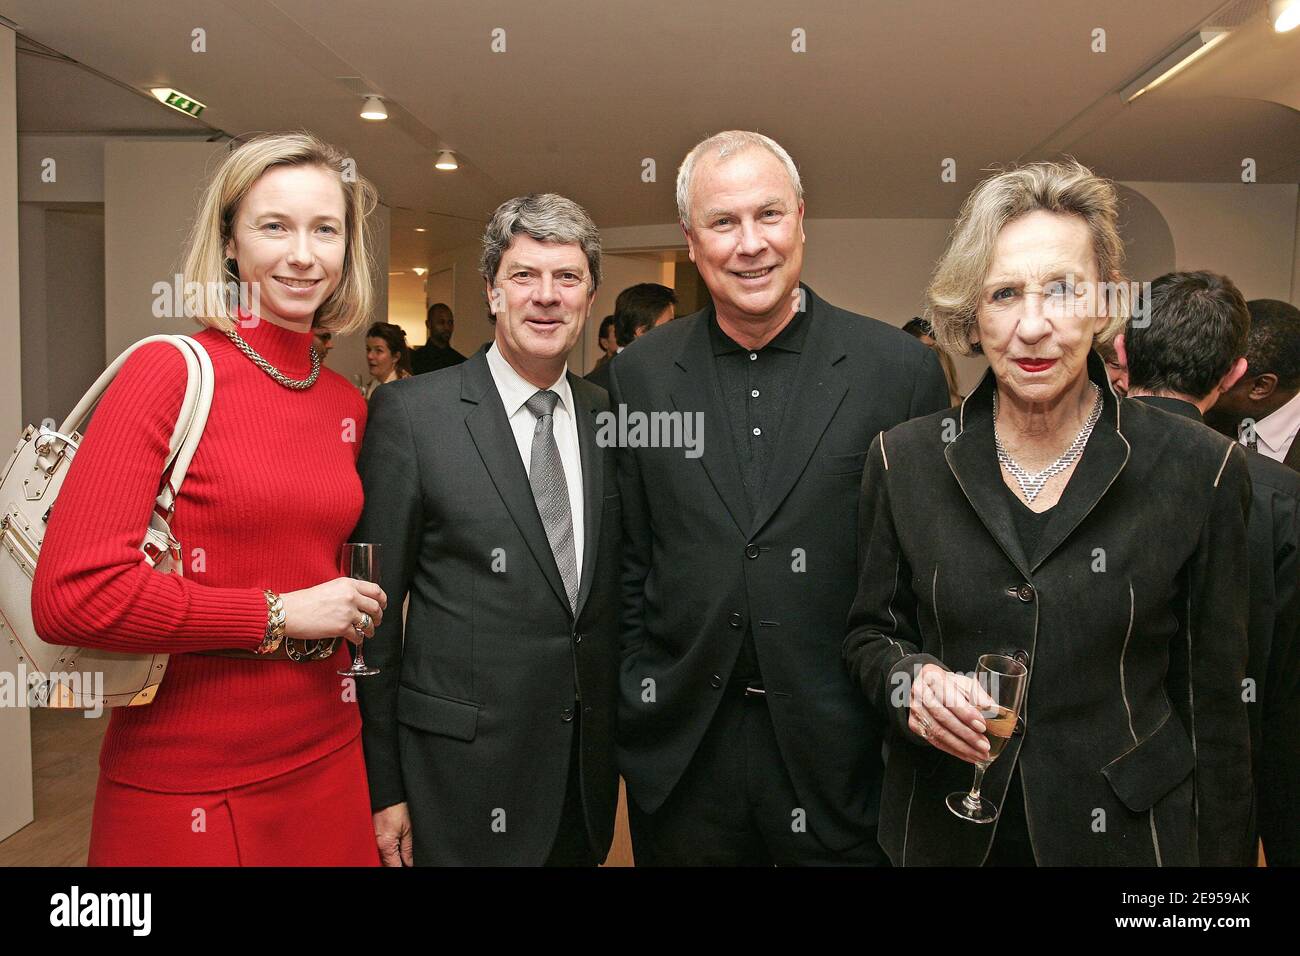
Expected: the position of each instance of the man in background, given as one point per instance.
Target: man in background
(1184, 361)
(437, 352)
(638, 309)
(1263, 409)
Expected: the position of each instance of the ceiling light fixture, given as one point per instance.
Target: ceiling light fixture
(419, 271)
(1191, 50)
(374, 109)
(446, 160)
(178, 101)
(1285, 14)
(419, 229)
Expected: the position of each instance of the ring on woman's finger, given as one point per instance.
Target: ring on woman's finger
(365, 623)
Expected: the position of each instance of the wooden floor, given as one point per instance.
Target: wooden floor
(65, 767)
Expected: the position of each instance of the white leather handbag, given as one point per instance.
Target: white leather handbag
(64, 675)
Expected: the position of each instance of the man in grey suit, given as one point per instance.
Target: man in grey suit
(489, 731)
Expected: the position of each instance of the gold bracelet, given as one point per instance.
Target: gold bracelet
(274, 623)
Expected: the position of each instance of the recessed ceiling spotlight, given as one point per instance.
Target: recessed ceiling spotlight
(419, 229)
(374, 109)
(1285, 14)
(446, 160)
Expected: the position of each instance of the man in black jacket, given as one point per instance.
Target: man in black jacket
(437, 352)
(1189, 354)
(489, 732)
(741, 738)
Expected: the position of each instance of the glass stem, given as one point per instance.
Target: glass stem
(972, 800)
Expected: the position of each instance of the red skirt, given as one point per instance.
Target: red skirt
(317, 815)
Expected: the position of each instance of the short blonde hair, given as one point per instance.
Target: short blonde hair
(1068, 188)
(349, 306)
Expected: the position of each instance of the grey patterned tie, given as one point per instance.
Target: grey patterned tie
(551, 491)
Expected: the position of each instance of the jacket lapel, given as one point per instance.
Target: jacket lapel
(817, 393)
(490, 430)
(696, 390)
(1104, 457)
(593, 489)
(973, 461)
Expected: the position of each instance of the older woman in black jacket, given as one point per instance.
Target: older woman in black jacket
(1085, 535)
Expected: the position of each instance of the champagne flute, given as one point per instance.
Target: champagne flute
(1002, 680)
(360, 561)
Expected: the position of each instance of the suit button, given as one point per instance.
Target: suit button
(715, 681)
(577, 638)
(566, 715)
(1025, 592)
(751, 551)
(736, 620)
(1021, 655)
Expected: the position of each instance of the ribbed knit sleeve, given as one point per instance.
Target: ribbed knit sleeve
(92, 586)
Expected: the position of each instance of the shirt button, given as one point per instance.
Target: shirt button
(736, 620)
(758, 431)
(751, 551)
(754, 394)
(1025, 592)
(753, 356)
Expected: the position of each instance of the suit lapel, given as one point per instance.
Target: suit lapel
(817, 393)
(490, 430)
(696, 390)
(593, 488)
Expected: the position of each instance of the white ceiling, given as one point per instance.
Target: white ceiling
(587, 89)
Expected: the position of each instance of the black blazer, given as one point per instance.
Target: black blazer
(1274, 541)
(471, 721)
(1135, 748)
(699, 567)
(600, 374)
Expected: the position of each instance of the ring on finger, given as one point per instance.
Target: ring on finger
(365, 623)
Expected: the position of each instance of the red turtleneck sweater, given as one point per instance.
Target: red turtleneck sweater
(270, 496)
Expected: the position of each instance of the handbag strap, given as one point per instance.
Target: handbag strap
(190, 422)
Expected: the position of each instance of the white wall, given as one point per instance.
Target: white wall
(151, 194)
(1244, 231)
(74, 173)
(15, 722)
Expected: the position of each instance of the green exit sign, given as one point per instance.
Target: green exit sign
(179, 101)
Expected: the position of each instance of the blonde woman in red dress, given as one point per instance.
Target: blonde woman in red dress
(251, 752)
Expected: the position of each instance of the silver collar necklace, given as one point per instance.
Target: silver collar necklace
(271, 370)
(1031, 485)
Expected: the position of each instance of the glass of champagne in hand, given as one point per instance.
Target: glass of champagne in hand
(998, 692)
(360, 561)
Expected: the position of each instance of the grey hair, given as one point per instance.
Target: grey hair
(1067, 188)
(546, 217)
(722, 145)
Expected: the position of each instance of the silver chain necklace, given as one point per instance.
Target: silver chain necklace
(1031, 485)
(271, 370)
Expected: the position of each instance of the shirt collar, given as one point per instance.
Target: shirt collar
(1274, 430)
(515, 389)
(789, 339)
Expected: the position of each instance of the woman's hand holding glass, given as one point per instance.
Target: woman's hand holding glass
(334, 609)
(945, 711)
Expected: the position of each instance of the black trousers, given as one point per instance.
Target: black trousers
(572, 846)
(736, 806)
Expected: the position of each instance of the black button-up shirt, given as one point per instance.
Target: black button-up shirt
(757, 386)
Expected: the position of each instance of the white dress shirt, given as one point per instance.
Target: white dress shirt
(1277, 431)
(515, 390)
